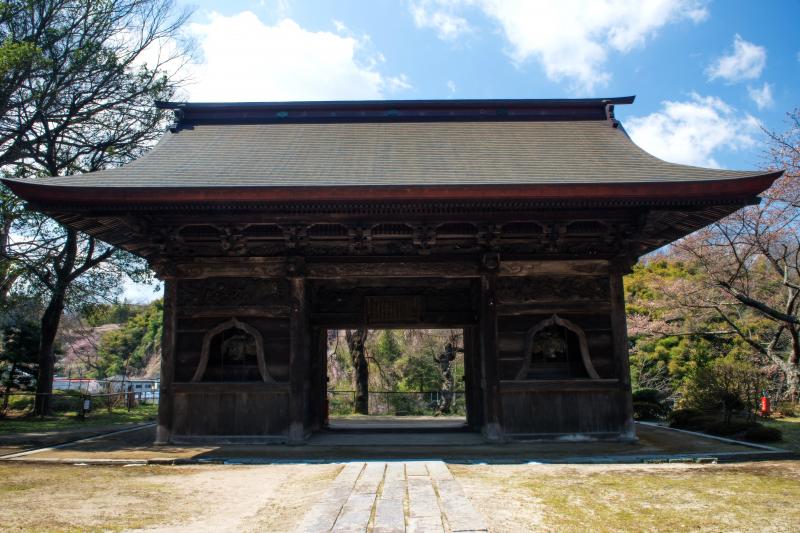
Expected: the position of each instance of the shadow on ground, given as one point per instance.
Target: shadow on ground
(655, 443)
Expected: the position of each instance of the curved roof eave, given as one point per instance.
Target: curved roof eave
(549, 151)
(741, 188)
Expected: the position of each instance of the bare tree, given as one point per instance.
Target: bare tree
(751, 265)
(356, 340)
(80, 99)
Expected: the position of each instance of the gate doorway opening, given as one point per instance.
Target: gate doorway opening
(400, 380)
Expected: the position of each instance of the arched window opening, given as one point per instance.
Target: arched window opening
(232, 357)
(556, 349)
(232, 351)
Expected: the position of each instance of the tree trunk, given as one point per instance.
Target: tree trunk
(50, 321)
(793, 370)
(7, 275)
(356, 339)
(792, 366)
(9, 383)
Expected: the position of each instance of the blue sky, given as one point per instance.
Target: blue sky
(707, 75)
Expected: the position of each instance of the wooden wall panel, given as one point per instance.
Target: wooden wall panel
(201, 411)
(563, 412)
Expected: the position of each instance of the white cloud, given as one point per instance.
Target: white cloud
(571, 39)
(691, 132)
(340, 26)
(451, 86)
(398, 83)
(141, 293)
(280, 9)
(247, 60)
(761, 96)
(745, 62)
(439, 15)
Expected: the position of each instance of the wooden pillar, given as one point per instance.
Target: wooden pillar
(319, 379)
(492, 406)
(165, 399)
(619, 332)
(299, 332)
(472, 379)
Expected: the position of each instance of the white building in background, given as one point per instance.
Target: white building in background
(124, 384)
(149, 387)
(84, 385)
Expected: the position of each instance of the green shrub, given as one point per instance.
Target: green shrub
(683, 418)
(20, 402)
(728, 429)
(405, 404)
(725, 385)
(759, 433)
(648, 395)
(786, 409)
(648, 410)
(649, 404)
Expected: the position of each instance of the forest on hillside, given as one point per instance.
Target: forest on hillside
(404, 371)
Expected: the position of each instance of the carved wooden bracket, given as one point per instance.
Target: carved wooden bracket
(233, 324)
(558, 321)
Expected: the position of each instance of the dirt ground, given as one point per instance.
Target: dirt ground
(755, 496)
(665, 497)
(216, 498)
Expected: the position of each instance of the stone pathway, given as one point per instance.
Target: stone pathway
(394, 497)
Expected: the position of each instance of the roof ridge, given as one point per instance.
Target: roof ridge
(503, 110)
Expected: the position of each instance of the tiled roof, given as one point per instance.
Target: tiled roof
(425, 153)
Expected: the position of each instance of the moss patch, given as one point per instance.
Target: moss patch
(754, 496)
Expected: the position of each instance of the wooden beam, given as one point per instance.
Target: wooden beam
(492, 426)
(472, 379)
(319, 379)
(232, 267)
(619, 334)
(400, 269)
(165, 393)
(550, 308)
(588, 267)
(201, 387)
(558, 385)
(299, 333)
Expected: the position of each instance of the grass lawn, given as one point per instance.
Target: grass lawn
(758, 496)
(71, 498)
(790, 427)
(742, 497)
(70, 421)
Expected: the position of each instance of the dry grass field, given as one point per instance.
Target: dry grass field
(758, 496)
(213, 498)
(666, 497)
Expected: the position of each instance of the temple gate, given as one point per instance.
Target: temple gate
(512, 219)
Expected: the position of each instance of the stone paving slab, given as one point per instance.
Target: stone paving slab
(389, 516)
(422, 499)
(323, 515)
(355, 514)
(394, 497)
